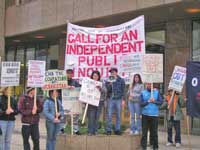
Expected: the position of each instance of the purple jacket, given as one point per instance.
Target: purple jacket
(25, 106)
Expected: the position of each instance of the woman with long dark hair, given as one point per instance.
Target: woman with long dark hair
(135, 90)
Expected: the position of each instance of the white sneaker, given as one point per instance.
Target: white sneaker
(178, 145)
(169, 144)
(131, 132)
(136, 133)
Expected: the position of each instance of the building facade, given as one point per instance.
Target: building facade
(36, 29)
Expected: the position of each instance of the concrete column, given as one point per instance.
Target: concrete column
(2, 27)
(61, 54)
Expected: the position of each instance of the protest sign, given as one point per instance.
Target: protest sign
(89, 49)
(70, 100)
(36, 73)
(10, 73)
(177, 79)
(89, 93)
(55, 79)
(152, 68)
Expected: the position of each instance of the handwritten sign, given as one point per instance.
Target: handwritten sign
(70, 100)
(10, 73)
(89, 93)
(177, 79)
(55, 79)
(36, 73)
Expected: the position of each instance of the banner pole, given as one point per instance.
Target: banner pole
(9, 106)
(188, 133)
(72, 125)
(85, 112)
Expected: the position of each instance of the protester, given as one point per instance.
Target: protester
(174, 115)
(72, 83)
(150, 113)
(115, 95)
(7, 118)
(53, 119)
(30, 118)
(135, 90)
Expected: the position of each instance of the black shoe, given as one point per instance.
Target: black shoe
(77, 133)
(108, 132)
(62, 130)
(117, 132)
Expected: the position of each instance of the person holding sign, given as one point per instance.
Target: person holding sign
(115, 94)
(30, 118)
(174, 115)
(135, 89)
(8, 110)
(53, 112)
(150, 100)
(72, 83)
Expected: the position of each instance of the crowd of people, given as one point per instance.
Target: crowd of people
(144, 103)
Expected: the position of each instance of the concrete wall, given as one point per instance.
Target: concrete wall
(42, 14)
(2, 27)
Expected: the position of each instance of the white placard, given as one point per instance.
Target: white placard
(10, 73)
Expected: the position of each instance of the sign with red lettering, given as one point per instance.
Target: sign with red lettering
(36, 73)
(55, 79)
(152, 68)
(89, 49)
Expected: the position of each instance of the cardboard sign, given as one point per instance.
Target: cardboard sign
(89, 49)
(177, 79)
(89, 92)
(10, 73)
(152, 68)
(36, 73)
(70, 100)
(55, 79)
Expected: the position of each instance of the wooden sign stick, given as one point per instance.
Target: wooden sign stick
(35, 97)
(151, 90)
(72, 124)
(85, 112)
(9, 106)
(56, 107)
(171, 99)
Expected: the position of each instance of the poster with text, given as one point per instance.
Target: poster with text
(10, 73)
(55, 79)
(177, 79)
(152, 68)
(89, 49)
(36, 73)
(70, 100)
(89, 92)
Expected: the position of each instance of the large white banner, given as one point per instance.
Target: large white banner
(177, 79)
(152, 68)
(89, 49)
(70, 100)
(10, 73)
(36, 73)
(89, 92)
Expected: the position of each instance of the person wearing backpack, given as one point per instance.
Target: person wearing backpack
(30, 118)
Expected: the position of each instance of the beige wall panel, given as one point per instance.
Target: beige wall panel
(124, 6)
(101, 8)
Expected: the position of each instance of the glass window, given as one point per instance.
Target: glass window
(10, 55)
(196, 40)
(41, 52)
(52, 62)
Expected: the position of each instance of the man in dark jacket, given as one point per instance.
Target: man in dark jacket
(30, 118)
(115, 93)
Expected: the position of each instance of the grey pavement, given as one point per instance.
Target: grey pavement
(18, 145)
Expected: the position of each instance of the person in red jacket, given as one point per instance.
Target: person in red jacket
(30, 118)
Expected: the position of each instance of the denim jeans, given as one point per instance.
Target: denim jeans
(99, 110)
(176, 124)
(52, 131)
(33, 131)
(7, 130)
(134, 108)
(114, 104)
(92, 119)
(149, 123)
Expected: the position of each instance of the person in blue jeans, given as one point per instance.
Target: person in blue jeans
(115, 92)
(93, 111)
(53, 119)
(135, 90)
(7, 119)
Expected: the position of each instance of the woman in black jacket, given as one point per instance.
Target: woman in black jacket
(7, 118)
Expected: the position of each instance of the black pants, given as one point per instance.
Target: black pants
(176, 124)
(149, 123)
(33, 131)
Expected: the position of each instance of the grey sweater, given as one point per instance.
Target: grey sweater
(136, 91)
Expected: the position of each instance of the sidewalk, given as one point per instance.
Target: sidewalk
(17, 143)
